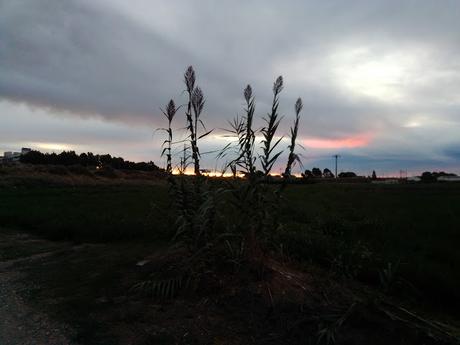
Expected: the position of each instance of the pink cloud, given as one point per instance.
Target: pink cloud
(359, 140)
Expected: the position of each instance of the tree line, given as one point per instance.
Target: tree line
(88, 159)
(326, 173)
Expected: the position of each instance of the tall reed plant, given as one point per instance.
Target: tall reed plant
(248, 215)
(169, 113)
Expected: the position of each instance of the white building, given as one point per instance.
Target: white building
(11, 157)
(449, 178)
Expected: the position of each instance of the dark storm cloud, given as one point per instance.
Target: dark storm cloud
(374, 68)
(75, 57)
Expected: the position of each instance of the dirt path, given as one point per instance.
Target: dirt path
(21, 324)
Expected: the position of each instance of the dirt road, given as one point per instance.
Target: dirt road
(20, 323)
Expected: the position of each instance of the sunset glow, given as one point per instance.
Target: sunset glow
(348, 142)
(57, 147)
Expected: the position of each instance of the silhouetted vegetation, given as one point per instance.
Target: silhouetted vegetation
(203, 222)
(347, 174)
(316, 172)
(433, 176)
(70, 158)
(327, 173)
(374, 175)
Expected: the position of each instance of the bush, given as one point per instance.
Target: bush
(80, 170)
(107, 171)
(58, 170)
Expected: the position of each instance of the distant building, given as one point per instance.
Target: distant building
(449, 178)
(12, 157)
(386, 181)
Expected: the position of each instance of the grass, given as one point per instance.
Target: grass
(415, 225)
(86, 214)
(355, 229)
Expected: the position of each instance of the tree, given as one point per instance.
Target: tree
(347, 174)
(316, 172)
(307, 174)
(427, 177)
(374, 175)
(33, 157)
(327, 173)
(68, 158)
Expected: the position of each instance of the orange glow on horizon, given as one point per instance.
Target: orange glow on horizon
(190, 172)
(359, 140)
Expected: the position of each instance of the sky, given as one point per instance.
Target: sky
(380, 80)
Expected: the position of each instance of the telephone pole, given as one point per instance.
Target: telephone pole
(336, 159)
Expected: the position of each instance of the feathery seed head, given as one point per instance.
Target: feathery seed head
(171, 110)
(298, 105)
(278, 85)
(197, 100)
(189, 78)
(248, 93)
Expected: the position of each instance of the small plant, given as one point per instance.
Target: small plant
(158, 288)
(389, 276)
(330, 325)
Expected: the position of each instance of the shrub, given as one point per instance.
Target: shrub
(58, 170)
(106, 171)
(80, 170)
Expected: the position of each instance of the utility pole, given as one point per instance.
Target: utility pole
(336, 158)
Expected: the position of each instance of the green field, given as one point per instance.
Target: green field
(355, 230)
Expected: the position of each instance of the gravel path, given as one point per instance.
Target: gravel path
(20, 324)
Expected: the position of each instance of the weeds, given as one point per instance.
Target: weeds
(389, 276)
(169, 113)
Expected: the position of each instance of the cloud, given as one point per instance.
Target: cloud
(359, 140)
(387, 68)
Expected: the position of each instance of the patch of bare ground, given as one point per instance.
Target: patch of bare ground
(20, 322)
